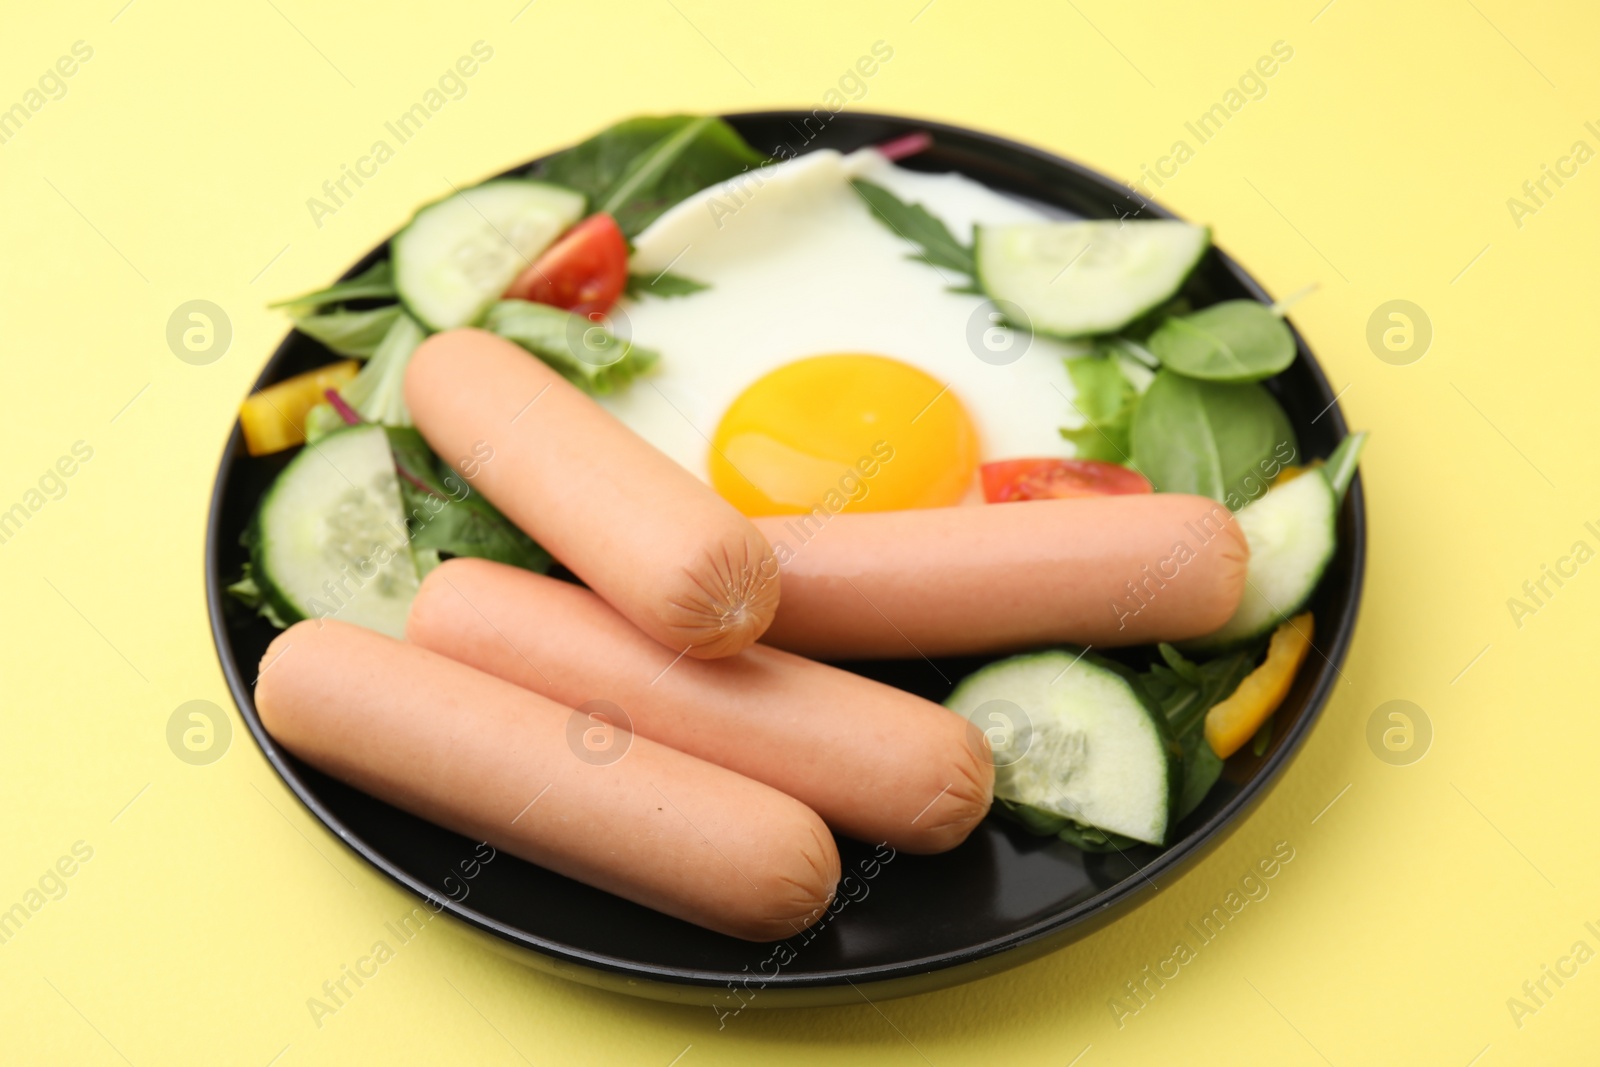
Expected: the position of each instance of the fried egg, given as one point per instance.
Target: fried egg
(819, 352)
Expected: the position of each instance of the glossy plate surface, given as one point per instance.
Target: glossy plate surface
(917, 923)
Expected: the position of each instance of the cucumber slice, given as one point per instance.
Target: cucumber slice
(1072, 736)
(1291, 534)
(457, 256)
(1074, 279)
(330, 539)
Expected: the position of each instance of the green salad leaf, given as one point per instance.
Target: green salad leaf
(1034, 820)
(1185, 691)
(248, 592)
(1131, 350)
(356, 334)
(1216, 439)
(1094, 839)
(322, 420)
(639, 168)
(1106, 400)
(665, 284)
(374, 283)
(446, 517)
(378, 391)
(1263, 738)
(1340, 469)
(1234, 341)
(915, 223)
(583, 352)
(1049, 824)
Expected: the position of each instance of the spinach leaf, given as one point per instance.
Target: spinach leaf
(664, 284)
(1263, 739)
(639, 168)
(915, 223)
(1140, 329)
(583, 352)
(1094, 839)
(1185, 691)
(350, 333)
(1224, 440)
(445, 517)
(1034, 820)
(376, 282)
(1201, 769)
(1106, 400)
(1234, 341)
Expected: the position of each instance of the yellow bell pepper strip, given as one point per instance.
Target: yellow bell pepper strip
(1232, 722)
(1287, 475)
(275, 418)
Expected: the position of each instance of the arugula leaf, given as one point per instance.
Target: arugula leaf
(445, 517)
(915, 223)
(1234, 341)
(1185, 691)
(664, 284)
(1106, 400)
(639, 168)
(583, 352)
(376, 282)
(1210, 438)
(350, 333)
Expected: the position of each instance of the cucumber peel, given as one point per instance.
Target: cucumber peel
(457, 255)
(1291, 533)
(329, 539)
(1074, 737)
(1078, 279)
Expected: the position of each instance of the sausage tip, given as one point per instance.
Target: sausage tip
(807, 888)
(733, 603)
(953, 813)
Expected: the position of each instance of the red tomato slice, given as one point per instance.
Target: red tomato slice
(1054, 479)
(584, 271)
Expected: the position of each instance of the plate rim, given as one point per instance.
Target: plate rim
(664, 982)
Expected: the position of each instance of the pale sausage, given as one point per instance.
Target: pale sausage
(497, 763)
(877, 763)
(1107, 570)
(644, 533)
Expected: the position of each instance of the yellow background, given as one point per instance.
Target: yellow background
(1378, 166)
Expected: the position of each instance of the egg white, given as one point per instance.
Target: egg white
(798, 267)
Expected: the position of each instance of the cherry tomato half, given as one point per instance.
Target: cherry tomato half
(1054, 479)
(584, 271)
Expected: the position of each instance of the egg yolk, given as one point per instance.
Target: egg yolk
(841, 431)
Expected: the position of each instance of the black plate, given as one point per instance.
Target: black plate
(921, 922)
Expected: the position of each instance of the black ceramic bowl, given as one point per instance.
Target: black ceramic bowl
(920, 922)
